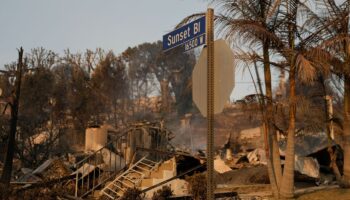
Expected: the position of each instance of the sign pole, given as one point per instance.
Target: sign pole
(210, 102)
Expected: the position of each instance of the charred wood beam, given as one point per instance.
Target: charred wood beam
(46, 183)
(217, 195)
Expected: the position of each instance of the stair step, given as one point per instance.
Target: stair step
(129, 179)
(133, 170)
(151, 161)
(125, 184)
(105, 193)
(151, 166)
(142, 168)
(111, 190)
(123, 189)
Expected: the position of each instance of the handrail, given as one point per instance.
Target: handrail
(125, 172)
(110, 142)
(101, 165)
(84, 184)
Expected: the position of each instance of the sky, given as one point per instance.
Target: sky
(89, 24)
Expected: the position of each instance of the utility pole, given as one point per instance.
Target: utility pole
(6, 174)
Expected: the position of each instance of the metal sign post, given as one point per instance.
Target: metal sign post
(210, 102)
(193, 35)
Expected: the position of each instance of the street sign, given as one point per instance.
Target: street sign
(191, 35)
(223, 78)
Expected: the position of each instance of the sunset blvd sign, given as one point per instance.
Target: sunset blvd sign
(190, 35)
(194, 34)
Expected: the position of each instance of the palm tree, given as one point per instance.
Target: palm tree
(301, 38)
(337, 14)
(276, 27)
(255, 22)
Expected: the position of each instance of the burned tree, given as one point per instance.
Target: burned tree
(14, 103)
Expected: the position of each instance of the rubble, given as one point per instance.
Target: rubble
(112, 161)
(251, 139)
(85, 170)
(146, 139)
(307, 166)
(43, 137)
(52, 169)
(258, 156)
(95, 138)
(311, 154)
(49, 170)
(28, 179)
(307, 144)
(26, 170)
(220, 166)
(244, 176)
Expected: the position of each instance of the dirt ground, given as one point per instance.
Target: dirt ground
(263, 192)
(252, 183)
(244, 176)
(328, 194)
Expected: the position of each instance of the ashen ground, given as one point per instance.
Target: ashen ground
(330, 194)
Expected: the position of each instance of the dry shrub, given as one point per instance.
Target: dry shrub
(5, 192)
(132, 194)
(43, 193)
(198, 186)
(163, 194)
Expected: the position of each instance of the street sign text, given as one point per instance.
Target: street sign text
(192, 34)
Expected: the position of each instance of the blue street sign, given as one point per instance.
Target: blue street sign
(192, 34)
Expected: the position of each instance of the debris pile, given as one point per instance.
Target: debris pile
(142, 157)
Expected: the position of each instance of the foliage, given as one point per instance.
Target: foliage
(109, 86)
(172, 70)
(197, 183)
(163, 194)
(132, 194)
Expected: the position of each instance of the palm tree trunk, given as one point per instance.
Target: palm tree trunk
(332, 154)
(267, 138)
(287, 186)
(276, 158)
(346, 121)
(273, 145)
(270, 168)
(346, 134)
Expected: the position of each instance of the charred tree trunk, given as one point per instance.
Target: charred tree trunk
(329, 128)
(346, 133)
(287, 185)
(274, 148)
(6, 174)
(164, 86)
(346, 114)
(267, 115)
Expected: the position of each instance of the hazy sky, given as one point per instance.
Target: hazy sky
(88, 24)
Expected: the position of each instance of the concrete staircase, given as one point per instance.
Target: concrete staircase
(165, 171)
(131, 178)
